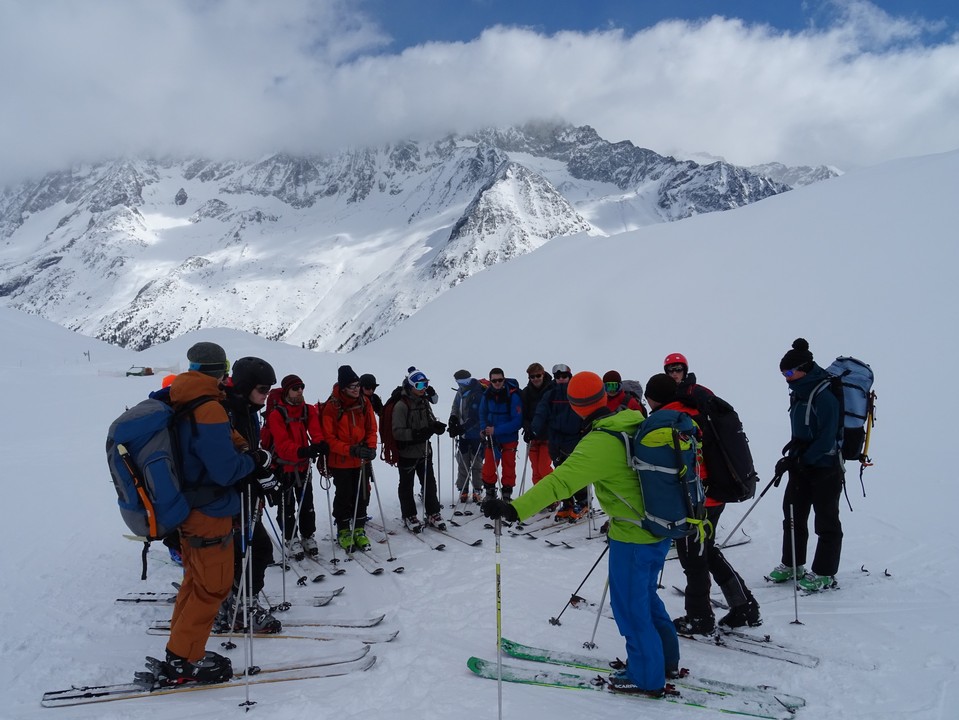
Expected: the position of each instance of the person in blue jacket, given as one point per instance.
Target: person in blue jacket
(816, 472)
(556, 421)
(501, 417)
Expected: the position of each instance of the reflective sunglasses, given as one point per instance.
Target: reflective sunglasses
(790, 373)
(536, 377)
(497, 381)
(675, 368)
(612, 387)
(421, 384)
(263, 389)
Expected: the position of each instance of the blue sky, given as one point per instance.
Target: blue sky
(413, 22)
(849, 83)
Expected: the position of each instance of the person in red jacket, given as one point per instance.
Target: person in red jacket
(294, 432)
(699, 561)
(349, 427)
(616, 396)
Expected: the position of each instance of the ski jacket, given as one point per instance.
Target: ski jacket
(345, 422)
(691, 392)
(503, 411)
(556, 421)
(412, 424)
(291, 427)
(815, 442)
(599, 458)
(208, 453)
(466, 405)
(244, 418)
(531, 397)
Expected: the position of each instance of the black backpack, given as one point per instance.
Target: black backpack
(731, 476)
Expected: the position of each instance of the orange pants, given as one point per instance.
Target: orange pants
(508, 456)
(207, 580)
(539, 459)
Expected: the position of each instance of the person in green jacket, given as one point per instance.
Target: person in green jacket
(636, 556)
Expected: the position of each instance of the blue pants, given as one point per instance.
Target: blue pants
(651, 642)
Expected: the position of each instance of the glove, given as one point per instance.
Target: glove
(431, 394)
(313, 451)
(261, 469)
(527, 436)
(261, 458)
(422, 434)
(494, 508)
(439, 428)
(454, 427)
(363, 452)
(790, 463)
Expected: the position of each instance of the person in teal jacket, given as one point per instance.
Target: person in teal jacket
(636, 556)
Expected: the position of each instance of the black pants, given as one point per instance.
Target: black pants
(700, 561)
(261, 556)
(818, 489)
(298, 490)
(421, 468)
(352, 495)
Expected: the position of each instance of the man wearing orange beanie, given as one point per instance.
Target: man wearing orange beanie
(636, 556)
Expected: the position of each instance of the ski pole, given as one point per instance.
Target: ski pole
(522, 482)
(497, 531)
(774, 481)
(454, 455)
(382, 517)
(325, 484)
(792, 532)
(575, 596)
(439, 474)
(591, 645)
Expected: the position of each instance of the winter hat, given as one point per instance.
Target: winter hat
(414, 376)
(248, 372)
(586, 393)
(168, 380)
(661, 388)
(368, 381)
(462, 375)
(208, 358)
(612, 376)
(289, 381)
(799, 358)
(561, 368)
(346, 377)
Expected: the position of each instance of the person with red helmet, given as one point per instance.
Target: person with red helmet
(676, 367)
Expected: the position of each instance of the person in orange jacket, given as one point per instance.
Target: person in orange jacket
(700, 561)
(349, 427)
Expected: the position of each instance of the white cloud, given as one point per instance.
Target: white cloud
(241, 78)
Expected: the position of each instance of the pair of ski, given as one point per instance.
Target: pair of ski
(306, 631)
(754, 644)
(147, 685)
(761, 701)
(169, 598)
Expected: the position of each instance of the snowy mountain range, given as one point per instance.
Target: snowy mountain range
(330, 252)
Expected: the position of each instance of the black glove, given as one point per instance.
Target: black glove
(494, 508)
(431, 394)
(790, 463)
(454, 427)
(422, 434)
(527, 436)
(438, 427)
(363, 452)
(261, 469)
(313, 451)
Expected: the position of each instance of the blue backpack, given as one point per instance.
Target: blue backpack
(852, 383)
(664, 452)
(144, 461)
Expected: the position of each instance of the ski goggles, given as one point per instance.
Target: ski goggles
(464, 382)
(790, 373)
(421, 384)
(612, 387)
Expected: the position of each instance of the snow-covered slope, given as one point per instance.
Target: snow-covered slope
(325, 252)
(861, 265)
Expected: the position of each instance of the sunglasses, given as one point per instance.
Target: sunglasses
(263, 389)
(612, 387)
(353, 386)
(675, 368)
(421, 384)
(536, 377)
(562, 376)
(497, 381)
(297, 387)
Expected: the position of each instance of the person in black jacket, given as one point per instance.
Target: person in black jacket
(539, 382)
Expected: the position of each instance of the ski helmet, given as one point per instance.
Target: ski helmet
(675, 359)
(248, 372)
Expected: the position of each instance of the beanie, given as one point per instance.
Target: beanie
(414, 376)
(368, 381)
(612, 376)
(462, 375)
(208, 358)
(168, 380)
(799, 358)
(586, 393)
(661, 388)
(289, 381)
(346, 377)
